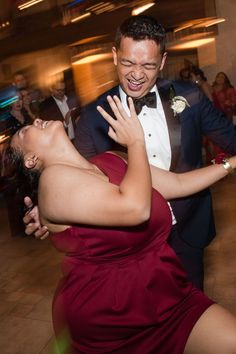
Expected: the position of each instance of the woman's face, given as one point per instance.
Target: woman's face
(220, 79)
(17, 106)
(25, 96)
(37, 137)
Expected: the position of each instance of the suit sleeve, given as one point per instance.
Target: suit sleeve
(217, 127)
(84, 141)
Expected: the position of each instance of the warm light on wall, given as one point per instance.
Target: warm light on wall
(181, 28)
(92, 58)
(192, 44)
(28, 4)
(210, 23)
(200, 23)
(3, 138)
(139, 10)
(81, 17)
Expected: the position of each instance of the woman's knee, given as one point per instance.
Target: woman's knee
(215, 332)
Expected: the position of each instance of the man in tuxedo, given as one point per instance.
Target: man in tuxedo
(58, 106)
(173, 134)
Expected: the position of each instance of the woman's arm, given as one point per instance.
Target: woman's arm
(71, 195)
(176, 185)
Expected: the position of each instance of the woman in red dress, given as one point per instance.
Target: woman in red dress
(123, 289)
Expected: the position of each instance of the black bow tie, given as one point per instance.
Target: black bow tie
(149, 100)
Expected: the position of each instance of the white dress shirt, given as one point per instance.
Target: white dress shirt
(63, 106)
(156, 133)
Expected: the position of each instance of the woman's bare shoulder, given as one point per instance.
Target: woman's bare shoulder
(58, 175)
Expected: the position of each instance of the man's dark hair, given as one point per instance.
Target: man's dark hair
(19, 72)
(140, 28)
(198, 71)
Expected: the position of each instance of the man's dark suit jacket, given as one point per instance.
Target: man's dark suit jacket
(194, 214)
(48, 109)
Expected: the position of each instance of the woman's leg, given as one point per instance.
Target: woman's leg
(214, 333)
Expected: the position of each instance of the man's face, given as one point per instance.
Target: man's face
(20, 81)
(58, 90)
(138, 65)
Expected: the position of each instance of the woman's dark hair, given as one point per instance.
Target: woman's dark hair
(227, 83)
(198, 71)
(26, 179)
(140, 28)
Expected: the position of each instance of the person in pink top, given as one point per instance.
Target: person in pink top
(224, 95)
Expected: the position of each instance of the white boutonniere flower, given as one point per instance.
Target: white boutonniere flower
(178, 104)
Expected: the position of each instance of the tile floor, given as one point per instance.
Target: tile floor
(29, 270)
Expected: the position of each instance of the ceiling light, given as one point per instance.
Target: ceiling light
(28, 4)
(181, 28)
(97, 6)
(87, 40)
(191, 44)
(199, 23)
(209, 23)
(139, 10)
(92, 58)
(81, 17)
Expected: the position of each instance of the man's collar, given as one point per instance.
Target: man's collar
(60, 101)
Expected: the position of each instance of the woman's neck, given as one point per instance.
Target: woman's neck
(68, 155)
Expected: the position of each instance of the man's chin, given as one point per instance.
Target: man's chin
(135, 94)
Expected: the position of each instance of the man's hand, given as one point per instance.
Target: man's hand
(31, 221)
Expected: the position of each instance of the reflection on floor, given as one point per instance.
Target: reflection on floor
(30, 270)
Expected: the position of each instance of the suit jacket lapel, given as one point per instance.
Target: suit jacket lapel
(104, 103)
(173, 122)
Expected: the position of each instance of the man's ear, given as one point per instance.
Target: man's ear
(163, 61)
(114, 53)
(30, 160)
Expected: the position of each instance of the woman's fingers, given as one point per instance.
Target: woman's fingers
(132, 108)
(105, 115)
(120, 108)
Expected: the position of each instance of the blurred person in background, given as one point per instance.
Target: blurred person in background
(59, 106)
(18, 115)
(184, 74)
(16, 186)
(199, 78)
(224, 95)
(20, 81)
(27, 103)
(224, 99)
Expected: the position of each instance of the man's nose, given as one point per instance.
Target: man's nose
(138, 73)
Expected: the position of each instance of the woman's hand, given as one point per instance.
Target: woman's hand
(125, 130)
(32, 222)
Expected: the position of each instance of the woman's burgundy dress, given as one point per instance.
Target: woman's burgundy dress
(124, 290)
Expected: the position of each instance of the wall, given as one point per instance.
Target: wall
(225, 42)
(39, 66)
